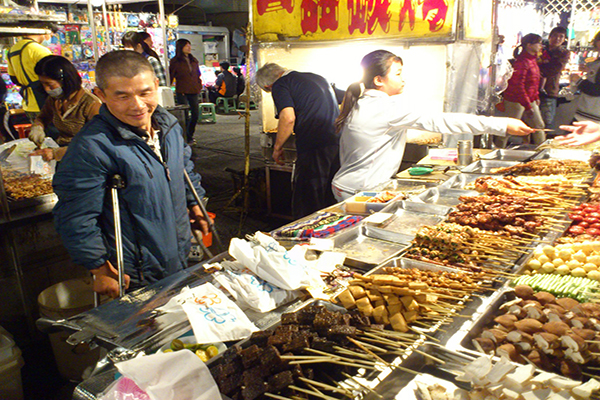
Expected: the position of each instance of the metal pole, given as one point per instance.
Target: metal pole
(571, 23)
(211, 226)
(116, 184)
(163, 25)
(93, 25)
(247, 124)
(106, 28)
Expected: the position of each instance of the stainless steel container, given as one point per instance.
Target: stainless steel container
(465, 152)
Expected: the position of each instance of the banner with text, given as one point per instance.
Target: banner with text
(278, 20)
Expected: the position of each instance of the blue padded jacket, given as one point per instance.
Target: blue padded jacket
(153, 206)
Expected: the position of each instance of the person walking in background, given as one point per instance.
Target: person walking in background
(68, 108)
(22, 58)
(554, 59)
(185, 71)
(305, 105)
(521, 97)
(588, 102)
(135, 41)
(225, 85)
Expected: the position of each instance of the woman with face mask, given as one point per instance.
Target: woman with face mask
(69, 106)
(373, 123)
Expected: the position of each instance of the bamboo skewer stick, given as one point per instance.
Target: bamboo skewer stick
(317, 394)
(325, 386)
(361, 385)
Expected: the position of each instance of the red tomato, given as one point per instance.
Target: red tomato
(596, 225)
(595, 214)
(589, 210)
(583, 224)
(590, 220)
(593, 231)
(576, 208)
(577, 230)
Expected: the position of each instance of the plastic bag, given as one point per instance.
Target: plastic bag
(124, 389)
(164, 376)
(214, 317)
(270, 261)
(249, 290)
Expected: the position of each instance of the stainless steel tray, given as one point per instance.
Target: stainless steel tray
(443, 196)
(408, 186)
(408, 263)
(508, 155)
(486, 166)
(363, 251)
(460, 181)
(563, 154)
(289, 242)
(408, 217)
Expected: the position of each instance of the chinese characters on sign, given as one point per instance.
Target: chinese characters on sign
(343, 19)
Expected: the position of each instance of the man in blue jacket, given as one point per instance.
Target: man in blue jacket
(134, 137)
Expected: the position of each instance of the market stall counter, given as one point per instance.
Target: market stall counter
(398, 317)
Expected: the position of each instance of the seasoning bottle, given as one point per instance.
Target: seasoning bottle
(465, 152)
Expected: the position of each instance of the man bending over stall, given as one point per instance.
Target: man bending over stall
(137, 139)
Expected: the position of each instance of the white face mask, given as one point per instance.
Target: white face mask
(55, 93)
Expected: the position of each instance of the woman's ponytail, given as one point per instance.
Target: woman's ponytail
(352, 95)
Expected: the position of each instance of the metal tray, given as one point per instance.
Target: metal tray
(407, 218)
(563, 154)
(407, 186)
(363, 251)
(443, 196)
(408, 263)
(43, 200)
(508, 155)
(289, 242)
(486, 166)
(460, 181)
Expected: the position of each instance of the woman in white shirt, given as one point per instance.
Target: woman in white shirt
(373, 126)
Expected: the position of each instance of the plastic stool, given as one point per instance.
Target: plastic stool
(242, 105)
(227, 104)
(23, 130)
(207, 113)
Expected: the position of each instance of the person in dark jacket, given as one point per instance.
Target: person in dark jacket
(225, 85)
(522, 96)
(185, 71)
(134, 137)
(554, 59)
(240, 84)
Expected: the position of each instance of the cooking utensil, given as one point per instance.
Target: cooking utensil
(425, 169)
(7, 152)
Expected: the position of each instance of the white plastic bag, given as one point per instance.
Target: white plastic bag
(215, 318)
(164, 376)
(249, 290)
(270, 261)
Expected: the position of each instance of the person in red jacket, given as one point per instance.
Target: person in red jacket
(521, 97)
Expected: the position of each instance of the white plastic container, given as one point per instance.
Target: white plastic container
(11, 363)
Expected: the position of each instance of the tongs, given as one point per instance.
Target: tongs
(7, 152)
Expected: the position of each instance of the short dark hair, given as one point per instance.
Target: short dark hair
(237, 70)
(120, 63)
(225, 65)
(61, 70)
(558, 29)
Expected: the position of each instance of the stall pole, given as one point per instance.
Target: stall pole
(247, 128)
(571, 23)
(163, 25)
(93, 25)
(106, 28)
